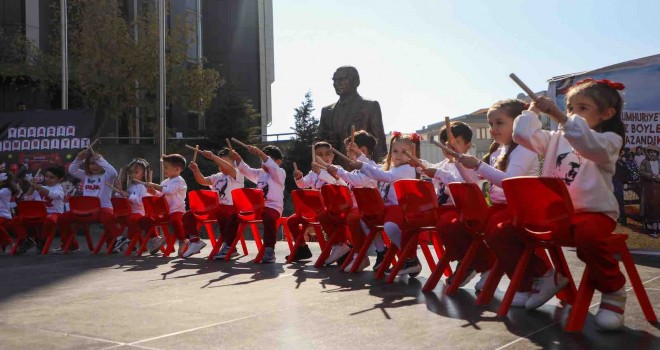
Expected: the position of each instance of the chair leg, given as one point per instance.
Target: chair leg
(17, 243)
(256, 236)
(211, 233)
(515, 282)
(637, 285)
(559, 261)
(440, 252)
(580, 307)
(493, 280)
(319, 236)
(387, 261)
(300, 240)
(427, 255)
(408, 251)
(170, 239)
(88, 238)
(462, 270)
(232, 248)
(99, 245)
(325, 252)
(49, 241)
(131, 245)
(434, 278)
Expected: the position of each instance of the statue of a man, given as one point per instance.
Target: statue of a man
(351, 109)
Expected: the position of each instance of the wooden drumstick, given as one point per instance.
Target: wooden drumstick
(295, 166)
(229, 145)
(313, 155)
(450, 136)
(321, 165)
(239, 143)
(92, 144)
(195, 153)
(341, 155)
(447, 149)
(121, 172)
(113, 187)
(523, 86)
(352, 133)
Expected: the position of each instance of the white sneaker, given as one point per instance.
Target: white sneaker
(544, 288)
(154, 244)
(120, 244)
(183, 246)
(194, 248)
(337, 252)
(482, 281)
(610, 314)
(363, 264)
(520, 299)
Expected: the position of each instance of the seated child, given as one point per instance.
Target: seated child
(137, 222)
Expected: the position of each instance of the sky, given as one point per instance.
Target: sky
(425, 59)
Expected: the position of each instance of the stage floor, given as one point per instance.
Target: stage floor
(80, 301)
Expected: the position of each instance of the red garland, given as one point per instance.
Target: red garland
(415, 137)
(396, 134)
(613, 85)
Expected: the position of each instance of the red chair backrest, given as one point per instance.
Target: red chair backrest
(203, 202)
(541, 206)
(471, 204)
(85, 206)
(156, 208)
(418, 201)
(337, 199)
(249, 203)
(32, 211)
(371, 205)
(307, 204)
(121, 206)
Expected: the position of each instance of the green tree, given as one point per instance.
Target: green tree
(111, 72)
(306, 128)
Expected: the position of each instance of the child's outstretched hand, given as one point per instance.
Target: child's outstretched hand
(235, 156)
(332, 170)
(355, 150)
(468, 161)
(206, 154)
(430, 172)
(550, 108)
(193, 166)
(117, 183)
(297, 174)
(82, 154)
(95, 157)
(257, 152)
(315, 168)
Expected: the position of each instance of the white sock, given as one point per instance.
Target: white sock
(393, 232)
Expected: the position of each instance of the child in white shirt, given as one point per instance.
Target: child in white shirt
(270, 179)
(7, 188)
(136, 174)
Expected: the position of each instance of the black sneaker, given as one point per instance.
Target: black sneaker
(379, 258)
(341, 260)
(40, 245)
(468, 276)
(26, 245)
(302, 253)
(412, 267)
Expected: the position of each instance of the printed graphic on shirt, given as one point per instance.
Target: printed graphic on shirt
(385, 190)
(442, 196)
(567, 166)
(221, 187)
(263, 185)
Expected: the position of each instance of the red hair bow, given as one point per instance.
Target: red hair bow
(613, 85)
(415, 137)
(396, 134)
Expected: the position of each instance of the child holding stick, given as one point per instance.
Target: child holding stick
(227, 179)
(135, 175)
(583, 152)
(270, 179)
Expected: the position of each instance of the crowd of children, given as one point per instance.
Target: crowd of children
(583, 152)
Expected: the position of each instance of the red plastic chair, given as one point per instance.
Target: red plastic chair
(473, 214)
(372, 210)
(30, 214)
(249, 203)
(203, 204)
(419, 203)
(547, 223)
(338, 203)
(86, 210)
(307, 205)
(158, 211)
(121, 208)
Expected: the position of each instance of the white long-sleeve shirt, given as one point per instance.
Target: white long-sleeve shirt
(386, 178)
(94, 185)
(446, 173)
(583, 158)
(54, 200)
(224, 184)
(271, 182)
(135, 193)
(316, 181)
(175, 190)
(5, 199)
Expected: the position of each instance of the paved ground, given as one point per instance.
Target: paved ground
(81, 301)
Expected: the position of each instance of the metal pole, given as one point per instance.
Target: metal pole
(162, 78)
(65, 54)
(136, 124)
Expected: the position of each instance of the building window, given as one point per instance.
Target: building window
(483, 134)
